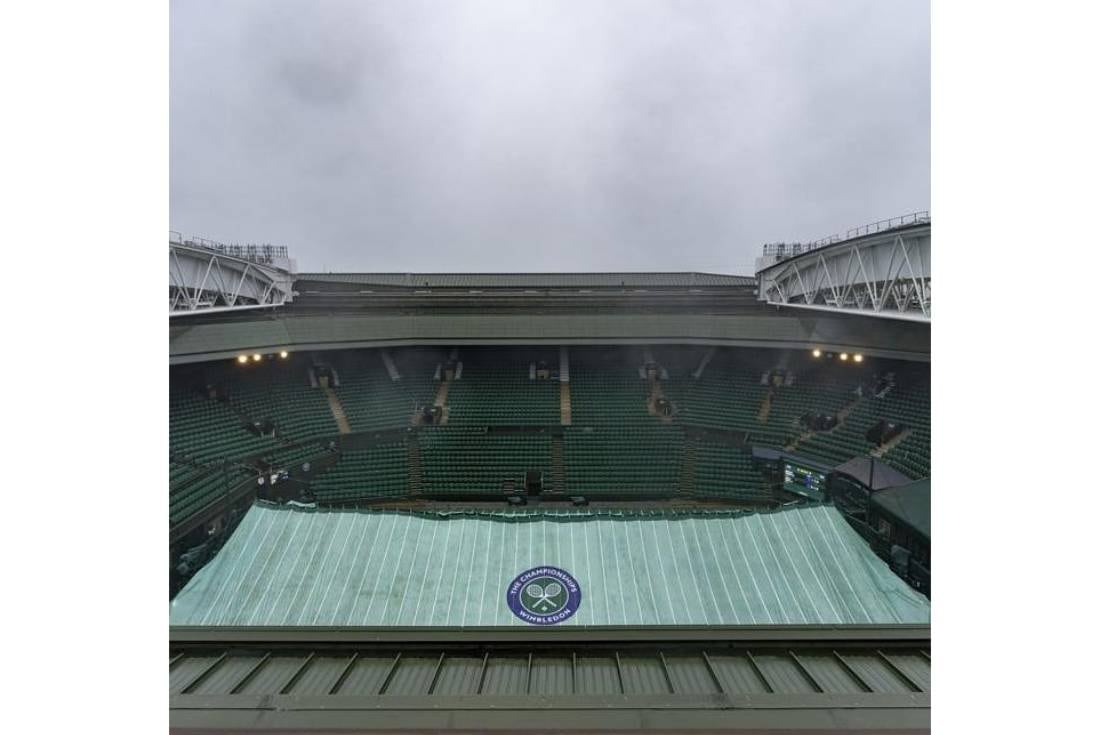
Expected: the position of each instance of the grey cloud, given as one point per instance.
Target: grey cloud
(544, 135)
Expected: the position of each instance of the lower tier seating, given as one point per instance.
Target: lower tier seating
(192, 488)
(623, 460)
(378, 472)
(476, 461)
(728, 473)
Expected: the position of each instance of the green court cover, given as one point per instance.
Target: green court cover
(309, 567)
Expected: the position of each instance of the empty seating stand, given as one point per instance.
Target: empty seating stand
(727, 473)
(192, 487)
(373, 400)
(502, 395)
(630, 461)
(381, 471)
(719, 399)
(460, 461)
(908, 406)
(617, 397)
(281, 393)
(206, 430)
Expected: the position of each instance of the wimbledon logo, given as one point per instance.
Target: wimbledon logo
(544, 596)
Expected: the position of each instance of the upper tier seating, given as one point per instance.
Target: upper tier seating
(790, 403)
(281, 393)
(907, 405)
(372, 400)
(719, 400)
(491, 393)
(607, 392)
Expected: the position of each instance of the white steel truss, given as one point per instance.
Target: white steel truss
(201, 280)
(886, 275)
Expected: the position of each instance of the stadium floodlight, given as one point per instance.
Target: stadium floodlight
(843, 355)
(858, 358)
(242, 359)
(257, 357)
(817, 353)
(283, 354)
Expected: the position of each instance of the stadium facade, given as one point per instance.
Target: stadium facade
(568, 501)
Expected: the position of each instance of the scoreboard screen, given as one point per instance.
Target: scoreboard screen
(803, 480)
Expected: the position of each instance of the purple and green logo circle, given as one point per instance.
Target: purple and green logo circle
(544, 596)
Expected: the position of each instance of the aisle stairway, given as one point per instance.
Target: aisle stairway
(687, 467)
(557, 467)
(337, 410)
(416, 470)
(765, 407)
(441, 401)
(566, 405)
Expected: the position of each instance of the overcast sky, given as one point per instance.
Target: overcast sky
(544, 136)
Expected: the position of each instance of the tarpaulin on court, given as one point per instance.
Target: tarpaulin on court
(295, 566)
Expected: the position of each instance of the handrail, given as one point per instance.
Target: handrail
(266, 254)
(914, 218)
(791, 249)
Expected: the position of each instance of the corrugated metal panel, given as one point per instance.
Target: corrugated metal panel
(737, 674)
(226, 675)
(876, 673)
(506, 676)
(783, 674)
(801, 565)
(643, 675)
(598, 675)
(273, 675)
(412, 676)
(529, 683)
(366, 676)
(551, 675)
(185, 670)
(320, 676)
(688, 676)
(827, 671)
(459, 676)
(915, 666)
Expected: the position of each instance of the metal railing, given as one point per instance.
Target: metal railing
(791, 249)
(882, 225)
(265, 254)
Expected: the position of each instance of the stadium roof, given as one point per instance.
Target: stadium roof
(911, 504)
(197, 341)
(534, 280)
(297, 567)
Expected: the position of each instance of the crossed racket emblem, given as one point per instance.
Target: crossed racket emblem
(546, 595)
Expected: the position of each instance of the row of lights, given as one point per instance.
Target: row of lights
(843, 356)
(256, 357)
